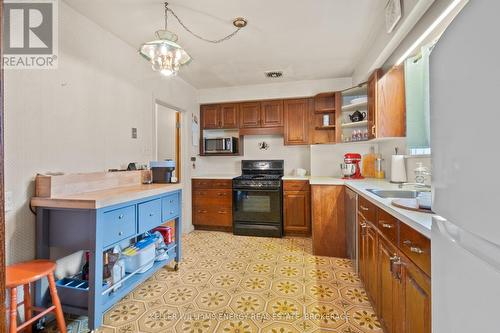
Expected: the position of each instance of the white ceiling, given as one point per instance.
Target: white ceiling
(313, 39)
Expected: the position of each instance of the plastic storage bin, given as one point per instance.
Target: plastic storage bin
(144, 257)
(73, 292)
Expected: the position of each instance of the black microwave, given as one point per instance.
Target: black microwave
(221, 145)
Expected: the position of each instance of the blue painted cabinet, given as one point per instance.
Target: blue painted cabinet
(97, 230)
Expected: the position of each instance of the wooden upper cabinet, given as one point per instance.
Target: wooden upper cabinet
(272, 113)
(250, 115)
(210, 116)
(390, 110)
(372, 101)
(229, 114)
(296, 113)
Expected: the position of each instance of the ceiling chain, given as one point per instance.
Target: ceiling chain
(214, 41)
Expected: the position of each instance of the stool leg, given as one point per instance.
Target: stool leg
(61, 324)
(28, 312)
(13, 310)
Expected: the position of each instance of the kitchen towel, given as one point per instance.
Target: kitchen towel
(398, 169)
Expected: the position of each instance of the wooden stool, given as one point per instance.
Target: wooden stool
(23, 274)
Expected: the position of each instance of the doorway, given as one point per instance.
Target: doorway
(167, 135)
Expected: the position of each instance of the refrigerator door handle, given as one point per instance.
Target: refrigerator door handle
(479, 247)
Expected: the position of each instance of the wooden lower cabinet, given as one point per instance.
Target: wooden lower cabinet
(417, 299)
(397, 285)
(390, 287)
(212, 204)
(296, 208)
(328, 228)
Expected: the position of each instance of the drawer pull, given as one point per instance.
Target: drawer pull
(363, 208)
(221, 194)
(222, 212)
(151, 214)
(387, 225)
(414, 249)
(120, 233)
(171, 212)
(202, 211)
(171, 201)
(121, 216)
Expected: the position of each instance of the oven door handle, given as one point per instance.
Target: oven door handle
(257, 189)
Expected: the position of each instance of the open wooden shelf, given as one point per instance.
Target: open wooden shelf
(353, 107)
(321, 128)
(363, 123)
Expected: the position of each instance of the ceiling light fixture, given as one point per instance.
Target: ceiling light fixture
(166, 56)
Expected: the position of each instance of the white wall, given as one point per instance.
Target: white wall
(294, 156)
(273, 90)
(78, 118)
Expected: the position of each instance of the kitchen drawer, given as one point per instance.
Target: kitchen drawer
(367, 209)
(388, 225)
(149, 215)
(170, 207)
(118, 225)
(211, 197)
(213, 183)
(416, 246)
(296, 185)
(213, 216)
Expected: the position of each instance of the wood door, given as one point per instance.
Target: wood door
(417, 299)
(250, 115)
(389, 288)
(229, 115)
(328, 221)
(2, 190)
(296, 113)
(371, 249)
(390, 119)
(210, 116)
(372, 102)
(272, 113)
(297, 212)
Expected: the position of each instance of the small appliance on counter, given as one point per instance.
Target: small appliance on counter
(220, 145)
(398, 168)
(163, 171)
(350, 168)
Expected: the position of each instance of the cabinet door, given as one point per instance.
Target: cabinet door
(272, 113)
(296, 121)
(250, 115)
(296, 212)
(371, 263)
(229, 114)
(390, 119)
(328, 229)
(390, 284)
(210, 116)
(372, 102)
(417, 299)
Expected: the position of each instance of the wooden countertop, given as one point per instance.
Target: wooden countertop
(105, 197)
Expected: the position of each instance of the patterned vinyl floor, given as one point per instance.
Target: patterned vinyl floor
(236, 284)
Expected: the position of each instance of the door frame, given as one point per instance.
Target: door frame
(2, 190)
(178, 150)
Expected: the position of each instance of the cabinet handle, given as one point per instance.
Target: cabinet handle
(373, 130)
(414, 249)
(202, 211)
(171, 212)
(386, 225)
(120, 233)
(121, 216)
(151, 214)
(171, 201)
(221, 194)
(395, 262)
(222, 212)
(363, 208)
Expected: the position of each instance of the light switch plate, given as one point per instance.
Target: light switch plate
(134, 132)
(9, 201)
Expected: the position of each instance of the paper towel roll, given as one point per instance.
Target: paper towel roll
(398, 169)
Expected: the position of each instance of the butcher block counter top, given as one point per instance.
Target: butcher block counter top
(94, 190)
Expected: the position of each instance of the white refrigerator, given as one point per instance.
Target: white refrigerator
(465, 140)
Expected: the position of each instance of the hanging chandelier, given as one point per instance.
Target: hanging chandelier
(166, 56)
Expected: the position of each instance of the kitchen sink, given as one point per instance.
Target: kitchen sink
(403, 194)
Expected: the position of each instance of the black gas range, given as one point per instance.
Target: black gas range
(257, 199)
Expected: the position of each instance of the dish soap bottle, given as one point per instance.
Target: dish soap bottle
(369, 164)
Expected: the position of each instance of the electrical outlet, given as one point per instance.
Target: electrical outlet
(134, 132)
(9, 201)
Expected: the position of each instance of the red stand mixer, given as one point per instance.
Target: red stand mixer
(350, 168)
